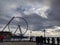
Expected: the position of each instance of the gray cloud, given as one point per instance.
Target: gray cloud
(54, 13)
(31, 11)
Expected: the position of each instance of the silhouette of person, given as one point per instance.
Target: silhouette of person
(1, 38)
(58, 41)
(31, 39)
(44, 40)
(37, 40)
(48, 40)
(41, 40)
(53, 41)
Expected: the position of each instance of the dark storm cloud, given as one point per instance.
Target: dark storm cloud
(54, 13)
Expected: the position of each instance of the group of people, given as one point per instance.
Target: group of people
(39, 40)
(43, 40)
(53, 41)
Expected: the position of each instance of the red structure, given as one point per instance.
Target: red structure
(5, 35)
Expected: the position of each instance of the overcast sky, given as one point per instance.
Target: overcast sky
(40, 14)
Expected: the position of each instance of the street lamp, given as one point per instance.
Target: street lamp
(44, 32)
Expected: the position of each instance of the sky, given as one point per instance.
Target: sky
(40, 14)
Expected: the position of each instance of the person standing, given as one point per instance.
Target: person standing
(1, 38)
(48, 40)
(53, 41)
(44, 40)
(41, 40)
(37, 40)
(58, 41)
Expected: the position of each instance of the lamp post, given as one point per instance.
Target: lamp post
(30, 35)
(44, 32)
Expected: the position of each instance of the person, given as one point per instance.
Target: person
(48, 40)
(1, 38)
(41, 40)
(53, 41)
(37, 40)
(31, 38)
(58, 41)
(44, 40)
